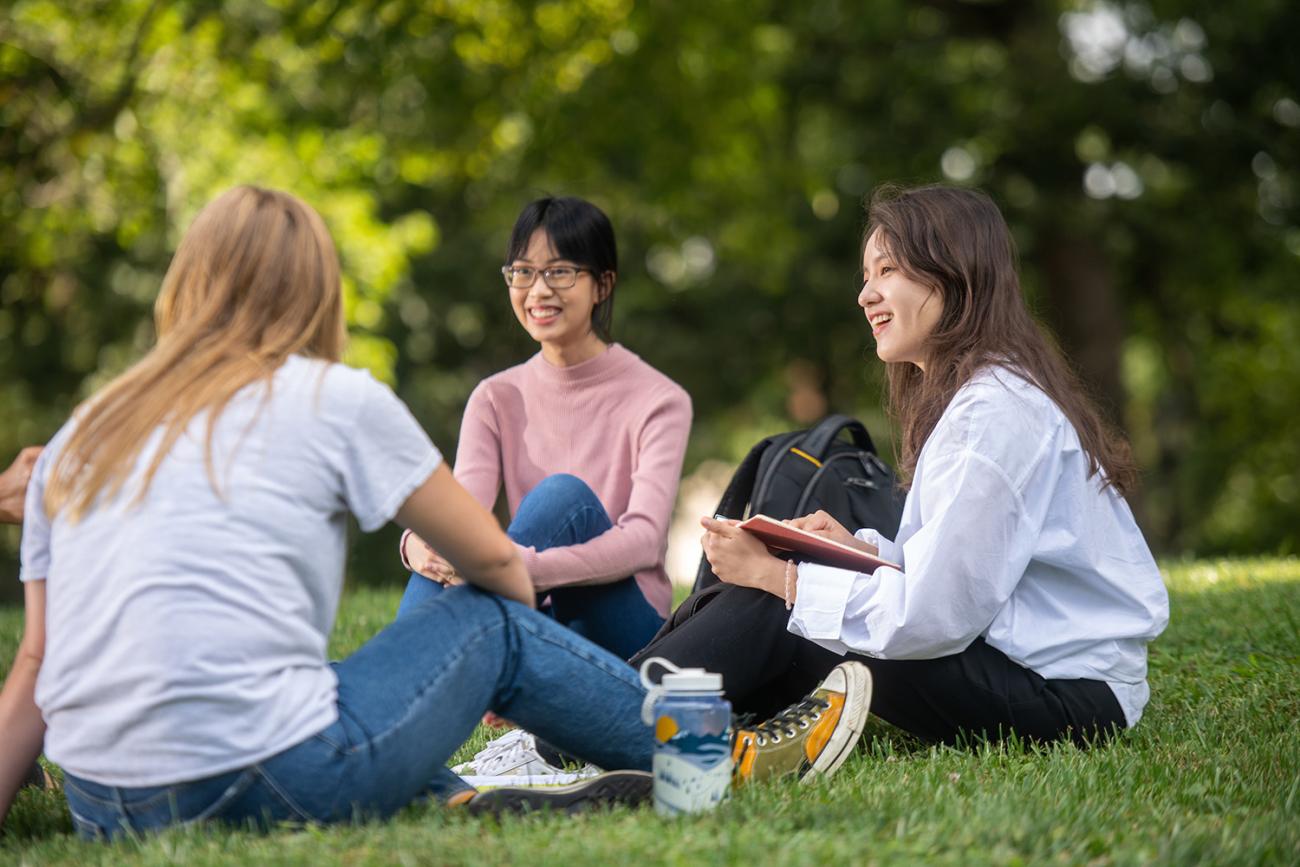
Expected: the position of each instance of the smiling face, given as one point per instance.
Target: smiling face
(559, 319)
(902, 312)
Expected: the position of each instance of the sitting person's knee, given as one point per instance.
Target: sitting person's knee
(562, 485)
(558, 492)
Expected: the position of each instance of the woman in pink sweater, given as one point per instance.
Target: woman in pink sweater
(587, 438)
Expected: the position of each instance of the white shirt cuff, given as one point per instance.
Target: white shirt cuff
(819, 605)
(886, 549)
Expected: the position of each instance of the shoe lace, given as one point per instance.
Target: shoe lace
(789, 722)
(506, 752)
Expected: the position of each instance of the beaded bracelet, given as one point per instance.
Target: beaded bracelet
(401, 550)
(790, 575)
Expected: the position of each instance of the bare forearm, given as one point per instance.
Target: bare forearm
(507, 578)
(21, 728)
(467, 536)
(496, 567)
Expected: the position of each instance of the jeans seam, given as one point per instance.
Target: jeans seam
(84, 825)
(375, 739)
(569, 522)
(237, 787)
(86, 796)
(322, 735)
(329, 742)
(506, 689)
(579, 652)
(118, 803)
(294, 807)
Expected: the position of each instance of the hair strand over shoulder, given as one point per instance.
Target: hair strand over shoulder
(956, 241)
(255, 280)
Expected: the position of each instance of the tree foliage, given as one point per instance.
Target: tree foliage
(1144, 153)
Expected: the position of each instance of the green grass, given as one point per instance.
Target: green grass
(1212, 775)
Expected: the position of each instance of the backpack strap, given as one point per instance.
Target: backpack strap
(741, 487)
(817, 442)
(733, 503)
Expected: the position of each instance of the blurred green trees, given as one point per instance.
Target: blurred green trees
(1145, 154)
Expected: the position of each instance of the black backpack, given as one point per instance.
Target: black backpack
(794, 474)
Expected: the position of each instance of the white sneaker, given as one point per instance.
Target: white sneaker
(513, 760)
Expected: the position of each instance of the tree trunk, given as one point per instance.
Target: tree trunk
(1084, 310)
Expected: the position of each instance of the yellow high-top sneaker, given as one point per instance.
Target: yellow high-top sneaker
(812, 737)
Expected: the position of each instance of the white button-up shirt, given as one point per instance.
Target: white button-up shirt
(1005, 536)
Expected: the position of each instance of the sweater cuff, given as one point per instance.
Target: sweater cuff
(528, 554)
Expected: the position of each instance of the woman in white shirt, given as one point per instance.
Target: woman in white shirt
(1024, 593)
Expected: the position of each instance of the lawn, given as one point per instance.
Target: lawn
(1212, 775)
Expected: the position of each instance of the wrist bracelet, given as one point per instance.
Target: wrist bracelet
(791, 574)
(401, 550)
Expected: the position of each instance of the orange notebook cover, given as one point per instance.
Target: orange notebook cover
(782, 538)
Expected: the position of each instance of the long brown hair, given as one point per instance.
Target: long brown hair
(255, 280)
(956, 241)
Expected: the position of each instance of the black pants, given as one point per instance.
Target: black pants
(741, 633)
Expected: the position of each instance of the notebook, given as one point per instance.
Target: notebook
(782, 538)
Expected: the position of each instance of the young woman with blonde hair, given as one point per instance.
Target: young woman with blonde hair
(183, 559)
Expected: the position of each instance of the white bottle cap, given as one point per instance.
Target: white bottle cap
(674, 680)
(691, 680)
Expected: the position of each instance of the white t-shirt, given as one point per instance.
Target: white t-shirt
(1004, 535)
(186, 635)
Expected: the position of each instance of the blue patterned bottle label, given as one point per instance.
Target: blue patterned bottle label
(691, 771)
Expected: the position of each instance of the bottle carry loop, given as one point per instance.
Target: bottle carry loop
(653, 690)
(677, 681)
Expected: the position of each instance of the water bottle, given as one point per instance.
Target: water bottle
(692, 731)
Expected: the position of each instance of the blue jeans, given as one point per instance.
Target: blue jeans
(562, 510)
(406, 701)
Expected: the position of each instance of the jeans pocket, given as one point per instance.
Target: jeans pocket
(254, 800)
(280, 805)
(93, 817)
(86, 829)
(216, 808)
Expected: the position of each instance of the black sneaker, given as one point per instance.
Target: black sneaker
(625, 788)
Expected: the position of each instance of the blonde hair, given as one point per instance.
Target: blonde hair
(255, 280)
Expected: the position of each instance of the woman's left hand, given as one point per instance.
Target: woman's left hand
(740, 558)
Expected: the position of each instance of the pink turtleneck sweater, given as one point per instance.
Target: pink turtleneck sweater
(613, 421)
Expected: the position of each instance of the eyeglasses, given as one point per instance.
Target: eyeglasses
(559, 277)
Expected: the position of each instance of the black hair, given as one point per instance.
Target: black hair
(580, 232)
